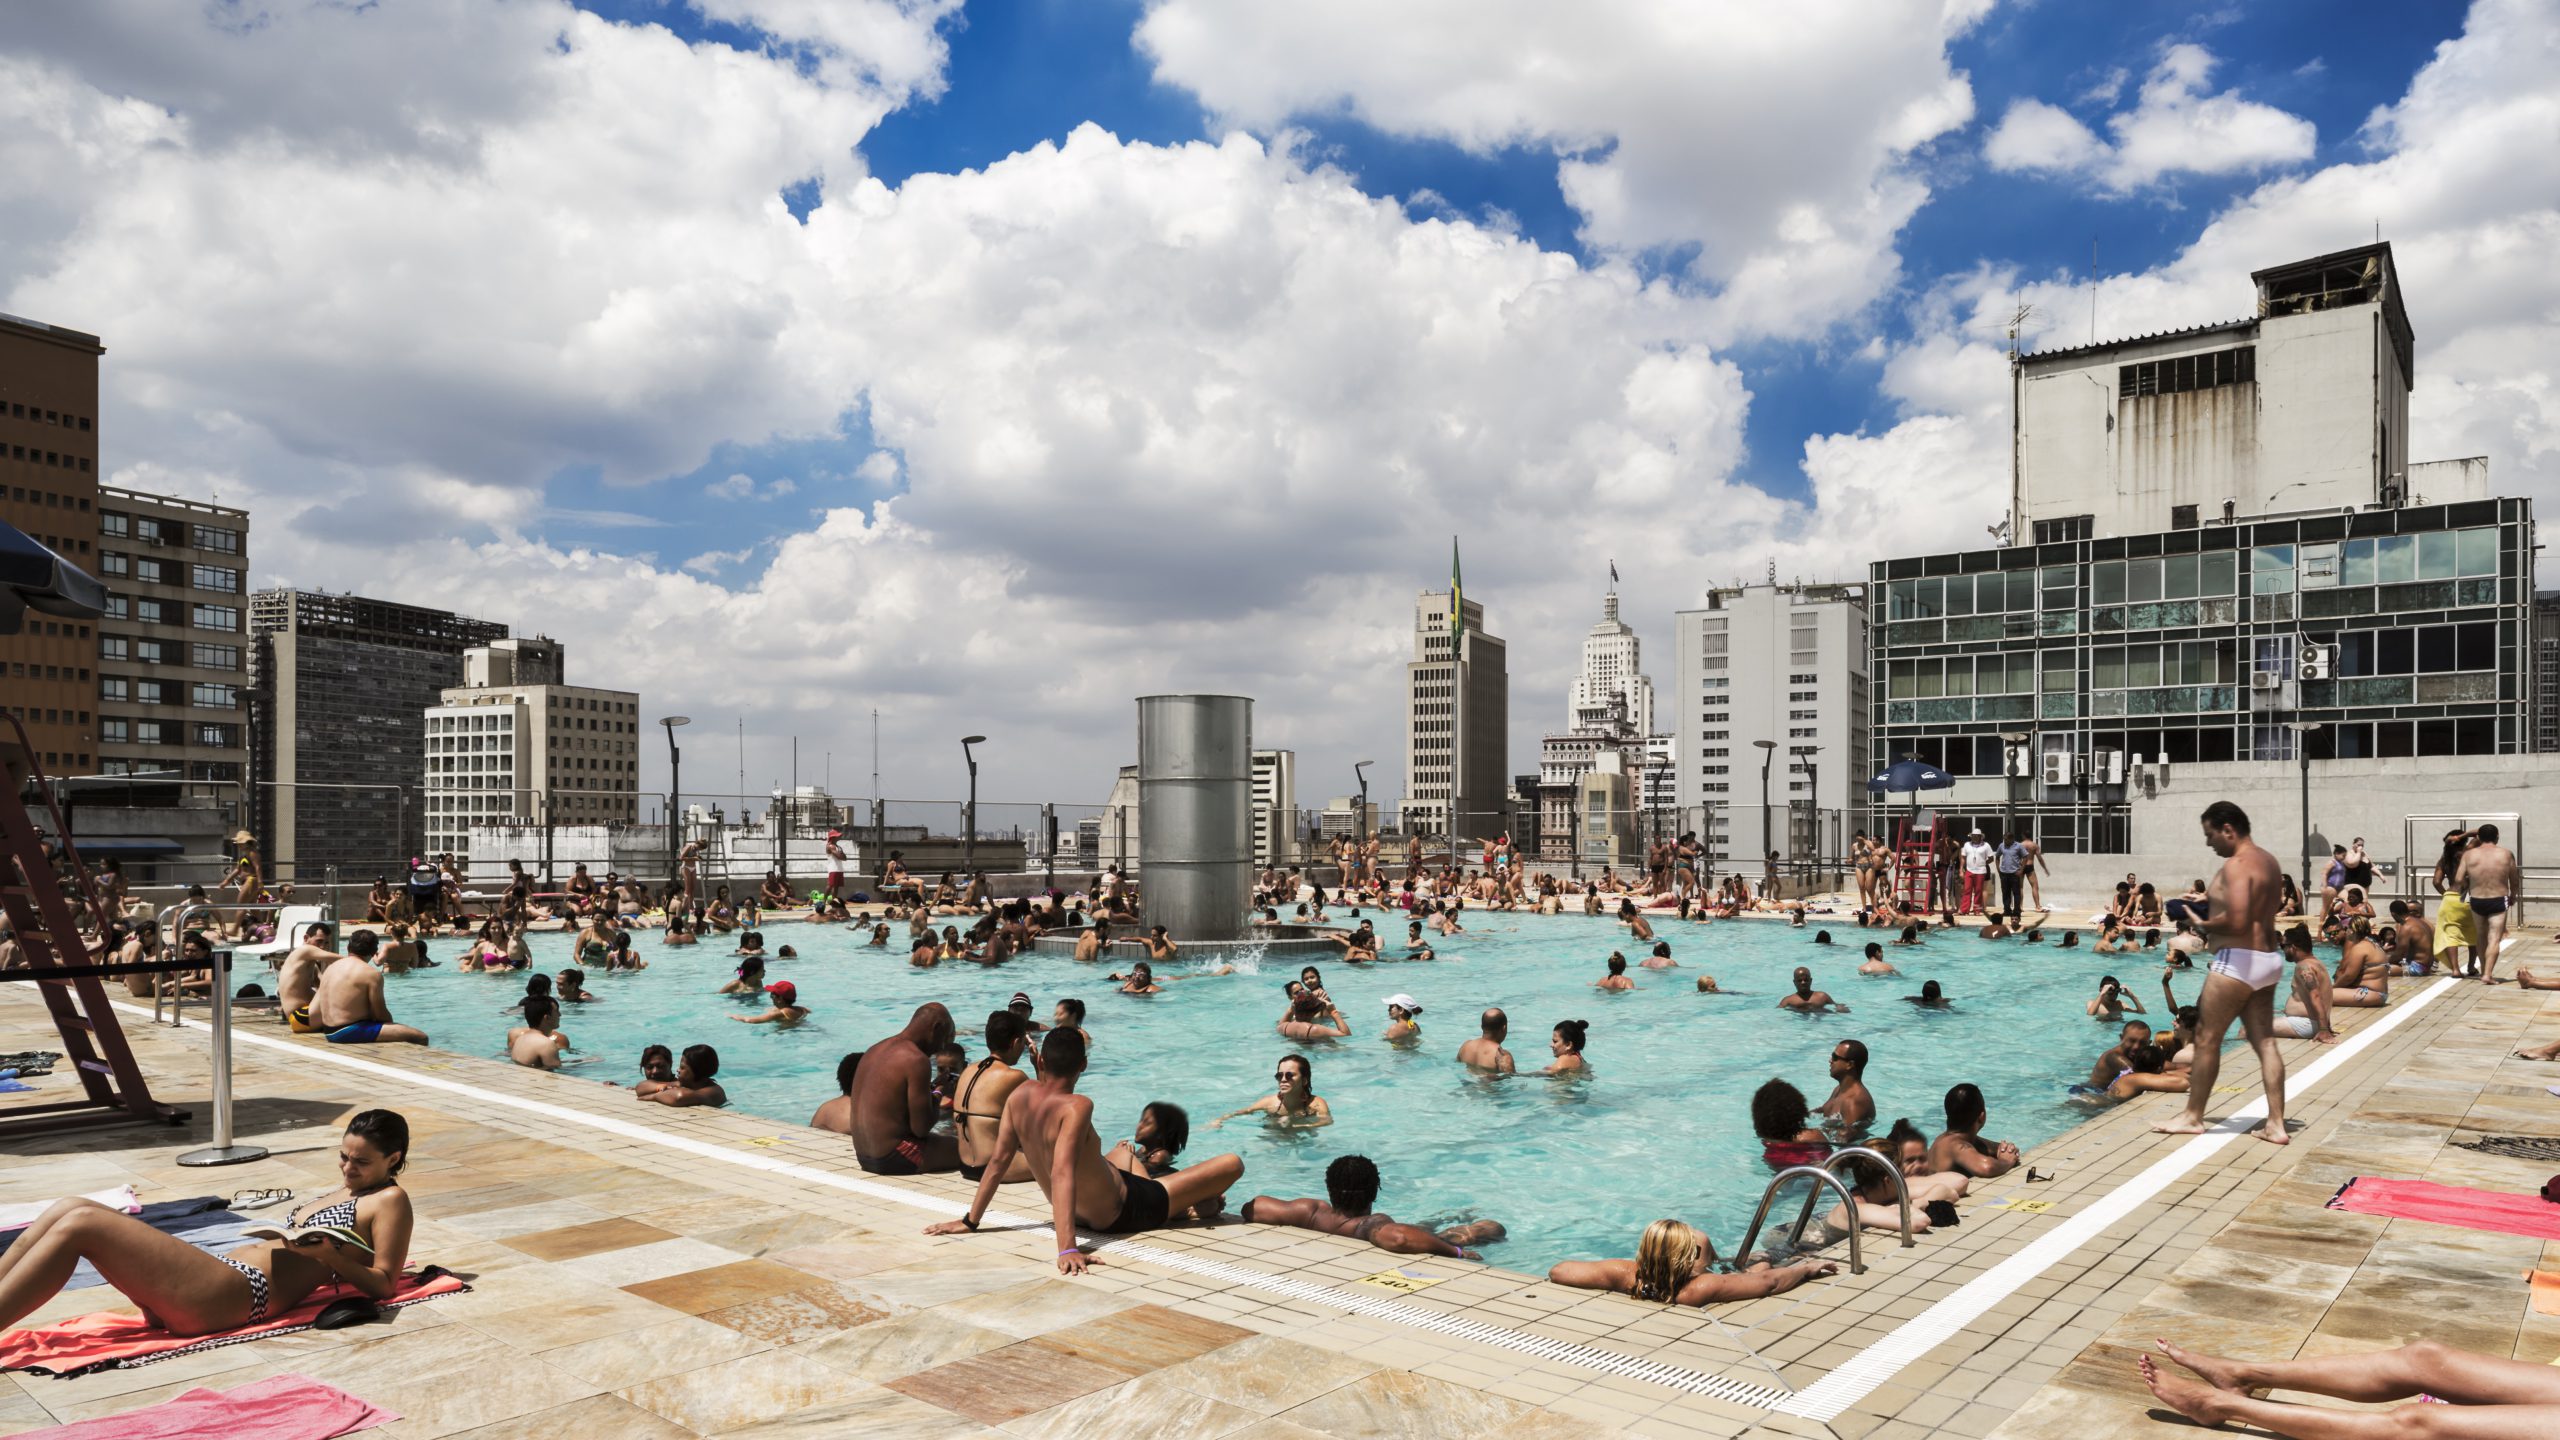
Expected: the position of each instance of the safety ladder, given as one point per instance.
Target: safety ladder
(1915, 865)
(39, 904)
(1825, 1176)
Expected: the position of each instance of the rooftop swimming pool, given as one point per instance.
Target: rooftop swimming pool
(1572, 1167)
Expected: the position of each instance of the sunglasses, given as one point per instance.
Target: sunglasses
(1281, 1077)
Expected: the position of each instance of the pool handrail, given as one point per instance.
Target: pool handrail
(1901, 1189)
(1820, 1177)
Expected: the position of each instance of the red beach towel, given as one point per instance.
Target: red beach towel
(2450, 1205)
(280, 1407)
(120, 1339)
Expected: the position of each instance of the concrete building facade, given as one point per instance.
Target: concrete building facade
(1275, 808)
(1785, 664)
(1457, 724)
(49, 489)
(343, 684)
(172, 654)
(2221, 540)
(2546, 671)
(515, 742)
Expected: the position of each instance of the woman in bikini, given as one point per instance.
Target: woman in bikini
(187, 1292)
(978, 1104)
(724, 911)
(1675, 1265)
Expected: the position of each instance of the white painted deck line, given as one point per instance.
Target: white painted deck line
(1858, 1376)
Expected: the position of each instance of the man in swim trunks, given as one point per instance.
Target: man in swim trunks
(298, 976)
(1485, 1052)
(2413, 938)
(349, 1006)
(2488, 877)
(894, 1107)
(1048, 1122)
(1351, 1191)
(2306, 1015)
(2240, 985)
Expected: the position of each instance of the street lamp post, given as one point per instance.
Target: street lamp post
(2010, 740)
(1768, 749)
(1360, 772)
(969, 819)
(675, 788)
(2302, 733)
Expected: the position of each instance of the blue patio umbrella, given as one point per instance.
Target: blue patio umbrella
(32, 577)
(1912, 775)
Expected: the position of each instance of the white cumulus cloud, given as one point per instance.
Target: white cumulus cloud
(1776, 142)
(2176, 126)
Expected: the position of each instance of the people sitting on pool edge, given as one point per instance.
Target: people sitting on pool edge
(1163, 1132)
(833, 1116)
(188, 1291)
(1049, 1122)
(1674, 1265)
(894, 1107)
(349, 1006)
(1350, 1209)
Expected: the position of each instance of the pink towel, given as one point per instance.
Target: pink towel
(280, 1407)
(2450, 1205)
(117, 1339)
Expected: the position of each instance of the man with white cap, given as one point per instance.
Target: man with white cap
(1977, 858)
(1404, 1019)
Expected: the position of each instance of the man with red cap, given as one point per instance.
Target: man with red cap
(787, 1009)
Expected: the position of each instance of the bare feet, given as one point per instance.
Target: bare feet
(2183, 1125)
(2203, 1404)
(2219, 1373)
(2273, 1132)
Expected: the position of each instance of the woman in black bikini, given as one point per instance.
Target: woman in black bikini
(188, 1292)
(979, 1103)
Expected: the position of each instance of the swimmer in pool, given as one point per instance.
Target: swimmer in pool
(1707, 985)
(2108, 1066)
(1931, 997)
(1661, 959)
(1293, 1103)
(1805, 997)
(1616, 979)
(1875, 963)
(1349, 1209)
(2111, 1001)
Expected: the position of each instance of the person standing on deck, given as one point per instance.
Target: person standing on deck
(2247, 963)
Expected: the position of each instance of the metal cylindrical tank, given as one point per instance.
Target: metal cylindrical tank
(1195, 813)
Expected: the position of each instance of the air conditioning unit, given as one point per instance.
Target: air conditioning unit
(2265, 680)
(2316, 662)
(2107, 767)
(2021, 762)
(2057, 767)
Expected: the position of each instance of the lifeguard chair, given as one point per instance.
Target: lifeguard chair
(1915, 869)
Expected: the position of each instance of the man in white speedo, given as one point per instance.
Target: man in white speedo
(2247, 963)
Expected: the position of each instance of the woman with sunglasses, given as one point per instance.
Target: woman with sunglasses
(1295, 1103)
(188, 1292)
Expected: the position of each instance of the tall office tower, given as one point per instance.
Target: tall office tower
(343, 684)
(1785, 665)
(49, 489)
(1275, 808)
(1457, 723)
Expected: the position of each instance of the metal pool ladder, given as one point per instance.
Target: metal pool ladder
(1826, 1176)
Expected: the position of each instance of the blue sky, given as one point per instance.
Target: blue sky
(1023, 72)
(562, 302)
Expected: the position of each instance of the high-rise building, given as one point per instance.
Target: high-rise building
(1611, 688)
(514, 742)
(49, 489)
(1785, 665)
(1458, 727)
(2218, 538)
(172, 665)
(343, 684)
(1275, 808)
(1609, 710)
(2546, 671)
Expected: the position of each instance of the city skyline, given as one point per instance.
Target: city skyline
(921, 387)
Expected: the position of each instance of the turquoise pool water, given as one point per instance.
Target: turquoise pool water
(1571, 1167)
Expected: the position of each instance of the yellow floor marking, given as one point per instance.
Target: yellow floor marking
(1401, 1281)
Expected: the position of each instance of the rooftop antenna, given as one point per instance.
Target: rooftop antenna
(2017, 321)
(1773, 570)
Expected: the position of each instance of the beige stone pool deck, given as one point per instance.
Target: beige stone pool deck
(640, 1272)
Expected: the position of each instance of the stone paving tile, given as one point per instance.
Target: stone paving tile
(1009, 1383)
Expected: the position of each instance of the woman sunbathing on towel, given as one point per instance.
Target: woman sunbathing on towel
(2483, 1397)
(188, 1292)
